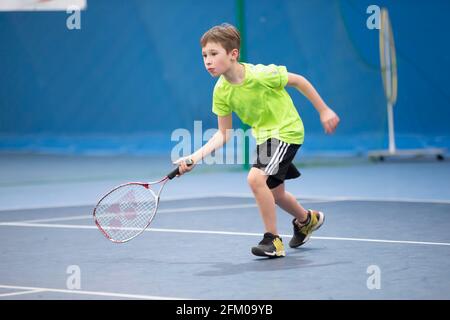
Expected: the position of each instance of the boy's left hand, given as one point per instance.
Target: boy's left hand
(329, 120)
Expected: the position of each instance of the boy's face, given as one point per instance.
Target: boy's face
(216, 59)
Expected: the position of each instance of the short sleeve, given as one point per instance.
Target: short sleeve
(272, 75)
(220, 108)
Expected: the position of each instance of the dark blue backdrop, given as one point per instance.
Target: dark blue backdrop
(134, 71)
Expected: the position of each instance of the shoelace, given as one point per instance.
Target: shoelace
(308, 227)
(267, 240)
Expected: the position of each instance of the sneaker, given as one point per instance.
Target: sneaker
(302, 234)
(270, 246)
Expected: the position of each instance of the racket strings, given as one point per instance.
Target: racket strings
(126, 211)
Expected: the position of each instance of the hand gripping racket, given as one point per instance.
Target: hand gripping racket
(128, 209)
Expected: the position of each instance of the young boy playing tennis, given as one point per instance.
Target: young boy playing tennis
(256, 94)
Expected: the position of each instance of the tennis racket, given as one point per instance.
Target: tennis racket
(128, 209)
(388, 60)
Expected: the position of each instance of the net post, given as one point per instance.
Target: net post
(240, 19)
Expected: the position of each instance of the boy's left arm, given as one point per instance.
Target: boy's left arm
(328, 117)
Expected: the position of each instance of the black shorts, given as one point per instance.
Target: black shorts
(275, 158)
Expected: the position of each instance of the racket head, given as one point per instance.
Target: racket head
(126, 211)
(388, 57)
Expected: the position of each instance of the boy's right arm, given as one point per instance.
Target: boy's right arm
(225, 124)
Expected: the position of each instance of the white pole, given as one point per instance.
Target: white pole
(392, 147)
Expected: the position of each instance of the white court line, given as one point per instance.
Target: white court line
(20, 293)
(80, 217)
(207, 208)
(305, 197)
(165, 200)
(369, 199)
(94, 293)
(235, 206)
(70, 226)
(301, 198)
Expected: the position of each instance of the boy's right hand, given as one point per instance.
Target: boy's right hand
(183, 167)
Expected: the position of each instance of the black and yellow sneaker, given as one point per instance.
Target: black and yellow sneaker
(301, 234)
(270, 246)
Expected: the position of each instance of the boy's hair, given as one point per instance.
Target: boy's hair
(225, 34)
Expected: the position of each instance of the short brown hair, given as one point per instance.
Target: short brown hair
(225, 34)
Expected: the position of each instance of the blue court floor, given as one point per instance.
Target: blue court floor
(385, 235)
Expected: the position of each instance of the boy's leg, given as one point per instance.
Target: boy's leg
(288, 203)
(305, 222)
(264, 199)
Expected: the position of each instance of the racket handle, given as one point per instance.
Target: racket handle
(175, 172)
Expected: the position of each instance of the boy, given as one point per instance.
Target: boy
(257, 95)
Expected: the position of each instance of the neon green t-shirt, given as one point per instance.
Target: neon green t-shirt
(262, 102)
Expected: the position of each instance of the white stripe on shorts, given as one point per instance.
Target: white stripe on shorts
(280, 158)
(275, 154)
(271, 168)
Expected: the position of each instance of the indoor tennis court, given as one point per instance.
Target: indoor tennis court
(198, 246)
(110, 92)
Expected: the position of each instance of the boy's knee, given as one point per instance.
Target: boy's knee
(255, 179)
(252, 180)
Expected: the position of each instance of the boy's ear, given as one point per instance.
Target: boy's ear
(235, 54)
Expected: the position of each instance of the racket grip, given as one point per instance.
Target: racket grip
(175, 172)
